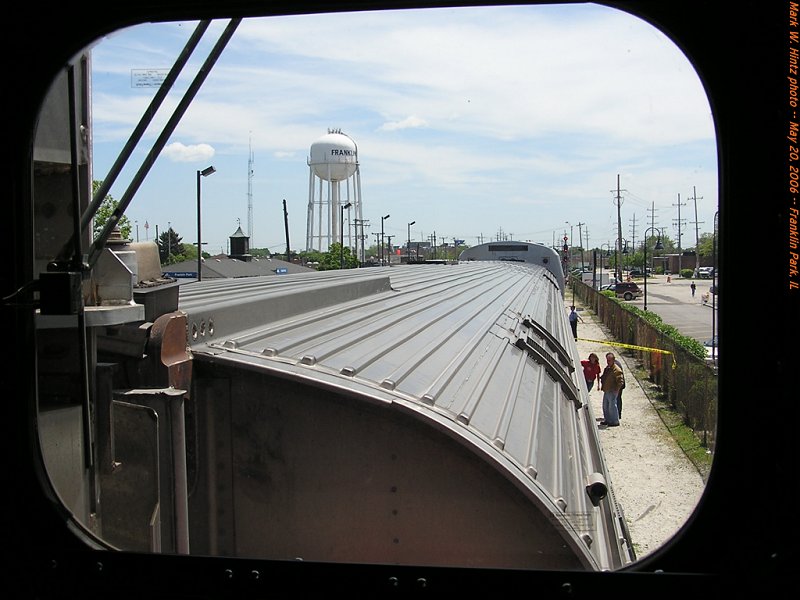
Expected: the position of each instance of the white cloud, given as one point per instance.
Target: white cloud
(182, 153)
(525, 112)
(411, 122)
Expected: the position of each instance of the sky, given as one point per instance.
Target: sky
(474, 123)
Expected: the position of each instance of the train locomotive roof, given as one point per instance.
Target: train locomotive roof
(480, 352)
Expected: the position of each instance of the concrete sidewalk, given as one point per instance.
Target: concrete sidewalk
(656, 485)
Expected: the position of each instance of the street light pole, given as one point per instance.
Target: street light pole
(658, 246)
(204, 173)
(381, 252)
(408, 242)
(341, 230)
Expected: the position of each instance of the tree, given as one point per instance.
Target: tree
(170, 248)
(260, 252)
(332, 259)
(314, 257)
(705, 247)
(107, 208)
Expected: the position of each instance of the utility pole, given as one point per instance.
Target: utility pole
(378, 241)
(587, 239)
(580, 241)
(633, 233)
(389, 250)
(696, 230)
(679, 234)
(359, 225)
(286, 228)
(619, 229)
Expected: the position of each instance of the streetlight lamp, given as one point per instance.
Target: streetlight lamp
(658, 246)
(204, 173)
(341, 230)
(382, 220)
(408, 242)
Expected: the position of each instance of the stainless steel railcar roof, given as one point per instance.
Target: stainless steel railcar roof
(481, 349)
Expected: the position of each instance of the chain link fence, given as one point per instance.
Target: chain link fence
(688, 383)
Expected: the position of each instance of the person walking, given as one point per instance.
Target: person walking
(574, 317)
(591, 370)
(611, 381)
(694, 288)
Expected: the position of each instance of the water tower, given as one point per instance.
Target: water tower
(333, 162)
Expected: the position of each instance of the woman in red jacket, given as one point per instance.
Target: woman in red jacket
(591, 370)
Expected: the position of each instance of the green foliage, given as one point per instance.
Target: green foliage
(686, 439)
(705, 247)
(687, 273)
(170, 248)
(260, 252)
(311, 256)
(332, 259)
(104, 213)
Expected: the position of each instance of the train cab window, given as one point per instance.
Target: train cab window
(271, 323)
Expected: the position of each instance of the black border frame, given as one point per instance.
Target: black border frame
(740, 538)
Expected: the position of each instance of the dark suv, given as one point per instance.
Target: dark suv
(627, 290)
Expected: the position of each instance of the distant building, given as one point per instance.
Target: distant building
(239, 263)
(240, 246)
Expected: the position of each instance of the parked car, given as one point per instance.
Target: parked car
(627, 290)
(704, 272)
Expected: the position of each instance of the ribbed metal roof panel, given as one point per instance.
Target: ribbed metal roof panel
(484, 347)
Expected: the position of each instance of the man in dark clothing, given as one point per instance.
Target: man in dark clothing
(573, 322)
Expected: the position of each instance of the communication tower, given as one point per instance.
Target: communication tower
(250, 194)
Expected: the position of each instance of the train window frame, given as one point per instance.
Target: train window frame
(55, 555)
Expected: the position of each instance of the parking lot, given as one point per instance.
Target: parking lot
(674, 303)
